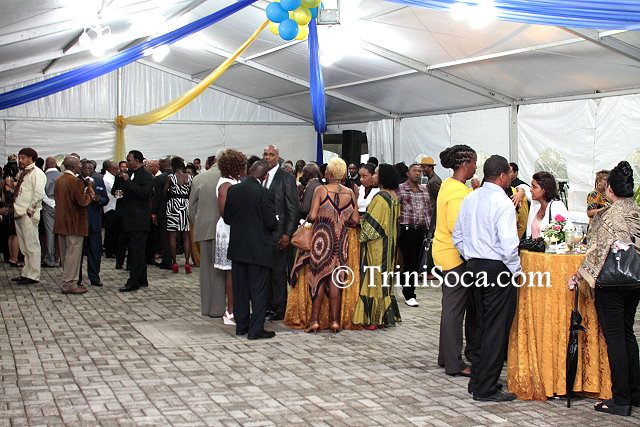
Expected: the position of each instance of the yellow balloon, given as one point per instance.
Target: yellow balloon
(310, 4)
(301, 15)
(303, 32)
(273, 27)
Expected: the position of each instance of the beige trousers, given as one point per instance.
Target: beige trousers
(70, 256)
(29, 241)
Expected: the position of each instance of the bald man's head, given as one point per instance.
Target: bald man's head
(271, 155)
(51, 162)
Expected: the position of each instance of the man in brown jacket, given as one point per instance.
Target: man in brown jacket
(71, 222)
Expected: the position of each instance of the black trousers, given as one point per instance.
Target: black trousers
(410, 242)
(163, 236)
(278, 281)
(137, 243)
(495, 307)
(457, 309)
(616, 312)
(111, 233)
(92, 248)
(151, 243)
(249, 296)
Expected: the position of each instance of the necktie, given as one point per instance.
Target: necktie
(266, 180)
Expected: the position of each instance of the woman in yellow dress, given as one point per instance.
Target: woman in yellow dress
(377, 306)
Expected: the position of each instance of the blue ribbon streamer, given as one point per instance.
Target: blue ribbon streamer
(316, 89)
(609, 15)
(104, 66)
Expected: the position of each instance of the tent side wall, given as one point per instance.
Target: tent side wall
(82, 117)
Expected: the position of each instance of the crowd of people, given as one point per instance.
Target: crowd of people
(237, 215)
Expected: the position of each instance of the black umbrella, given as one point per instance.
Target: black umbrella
(572, 348)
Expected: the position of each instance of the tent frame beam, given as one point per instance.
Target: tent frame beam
(613, 44)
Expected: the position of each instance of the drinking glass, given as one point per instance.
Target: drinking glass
(569, 235)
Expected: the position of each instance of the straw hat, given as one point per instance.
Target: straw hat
(427, 161)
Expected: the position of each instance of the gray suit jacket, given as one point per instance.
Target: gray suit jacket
(203, 204)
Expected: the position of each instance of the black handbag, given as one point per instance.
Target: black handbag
(621, 270)
(533, 245)
(426, 256)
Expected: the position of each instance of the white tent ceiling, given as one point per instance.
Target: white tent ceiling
(402, 61)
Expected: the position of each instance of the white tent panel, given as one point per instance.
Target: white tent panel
(380, 139)
(190, 141)
(424, 135)
(92, 140)
(95, 99)
(486, 131)
(618, 133)
(566, 131)
(148, 88)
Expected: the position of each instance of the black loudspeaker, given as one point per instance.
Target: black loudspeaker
(352, 145)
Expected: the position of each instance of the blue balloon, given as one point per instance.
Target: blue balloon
(275, 13)
(290, 4)
(288, 29)
(314, 12)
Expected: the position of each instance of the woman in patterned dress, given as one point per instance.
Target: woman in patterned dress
(597, 200)
(333, 207)
(232, 165)
(177, 189)
(377, 306)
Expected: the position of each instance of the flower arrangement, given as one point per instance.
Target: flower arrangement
(554, 232)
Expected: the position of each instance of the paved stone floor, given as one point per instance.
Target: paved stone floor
(149, 358)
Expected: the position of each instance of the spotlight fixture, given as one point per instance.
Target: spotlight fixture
(96, 38)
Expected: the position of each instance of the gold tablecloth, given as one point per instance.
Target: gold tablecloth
(298, 314)
(540, 333)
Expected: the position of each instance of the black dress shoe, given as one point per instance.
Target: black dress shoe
(262, 335)
(164, 266)
(498, 396)
(145, 285)
(27, 281)
(461, 374)
(243, 332)
(118, 266)
(277, 316)
(17, 279)
(96, 284)
(612, 408)
(128, 288)
(499, 387)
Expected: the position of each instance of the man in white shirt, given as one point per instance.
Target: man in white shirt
(486, 236)
(49, 210)
(27, 207)
(111, 230)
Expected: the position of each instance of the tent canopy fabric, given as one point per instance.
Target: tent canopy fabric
(398, 61)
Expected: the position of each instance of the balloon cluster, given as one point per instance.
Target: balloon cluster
(290, 18)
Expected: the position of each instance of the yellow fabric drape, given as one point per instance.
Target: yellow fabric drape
(179, 103)
(540, 332)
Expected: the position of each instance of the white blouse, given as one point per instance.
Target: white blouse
(554, 207)
(363, 202)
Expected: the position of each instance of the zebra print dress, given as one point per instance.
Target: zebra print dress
(178, 205)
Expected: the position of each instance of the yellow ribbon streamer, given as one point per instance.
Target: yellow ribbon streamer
(180, 102)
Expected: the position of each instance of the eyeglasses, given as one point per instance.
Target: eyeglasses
(268, 155)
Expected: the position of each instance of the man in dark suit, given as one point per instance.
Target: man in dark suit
(134, 209)
(250, 212)
(93, 242)
(159, 211)
(282, 185)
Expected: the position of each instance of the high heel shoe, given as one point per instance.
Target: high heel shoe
(313, 327)
(174, 267)
(228, 318)
(187, 268)
(335, 327)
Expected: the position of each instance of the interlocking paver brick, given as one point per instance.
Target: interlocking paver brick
(149, 358)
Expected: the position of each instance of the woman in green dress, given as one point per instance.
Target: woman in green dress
(377, 306)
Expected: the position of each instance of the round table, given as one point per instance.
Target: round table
(540, 331)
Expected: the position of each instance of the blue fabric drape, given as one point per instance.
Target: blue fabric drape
(597, 14)
(104, 66)
(316, 89)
